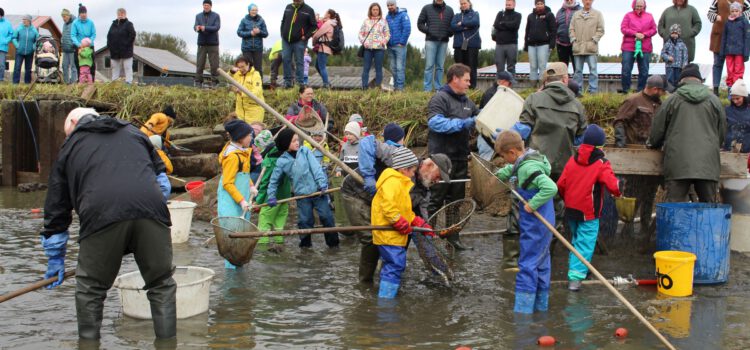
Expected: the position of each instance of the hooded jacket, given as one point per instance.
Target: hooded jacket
(690, 126)
(400, 26)
(252, 42)
(688, 19)
(284, 189)
(24, 39)
(447, 110)
(636, 115)
(507, 23)
(633, 24)
(233, 160)
(212, 21)
(435, 22)
(106, 170)
(532, 174)
(582, 182)
(324, 35)
(564, 16)
(468, 30)
(303, 170)
(677, 49)
(541, 29)
(120, 39)
(245, 107)
(66, 42)
(738, 127)
(6, 34)
(374, 157)
(391, 202)
(158, 124)
(298, 22)
(556, 119)
(736, 38)
(586, 30)
(82, 29)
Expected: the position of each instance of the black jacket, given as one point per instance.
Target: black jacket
(106, 170)
(506, 27)
(452, 106)
(541, 30)
(120, 39)
(298, 22)
(435, 22)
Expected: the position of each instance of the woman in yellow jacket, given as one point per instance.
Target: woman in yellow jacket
(159, 123)
(245, 107)
(235, 186)
(391, 206)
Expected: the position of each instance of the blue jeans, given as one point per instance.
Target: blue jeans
(321, 64)
(397, 56)
(370, 56)
(584, 240)
(578, 62)
(673, 75)
(26, 60)
(718, 69)
(306, 219)
(70, 73)
(294, 51)
(628, 60)
(3, 54)
(538, 56)
(434, 52)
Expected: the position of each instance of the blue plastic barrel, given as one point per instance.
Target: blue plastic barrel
(699, 228)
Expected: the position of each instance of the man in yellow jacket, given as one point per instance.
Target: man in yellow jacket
(245, 107)
(392, 207)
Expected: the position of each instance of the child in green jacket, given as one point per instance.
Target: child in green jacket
(271, 218)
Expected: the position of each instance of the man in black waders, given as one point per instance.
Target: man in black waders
(374, 158)
(109, 172)
(451, 119)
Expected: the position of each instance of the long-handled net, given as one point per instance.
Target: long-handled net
(452, 218)
(236, 251)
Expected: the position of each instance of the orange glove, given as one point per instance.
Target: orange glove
(402, 226)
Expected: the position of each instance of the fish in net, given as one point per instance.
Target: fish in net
(452, 218)
(236, 251)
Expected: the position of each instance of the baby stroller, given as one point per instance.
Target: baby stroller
(47, 60)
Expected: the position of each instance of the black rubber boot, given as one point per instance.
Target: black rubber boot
(511, 251)
(368, 261)
(716, 90)
(164, 309)
(455, 241)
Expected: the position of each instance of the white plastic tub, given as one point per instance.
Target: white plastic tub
(181, 214)
(193, 287)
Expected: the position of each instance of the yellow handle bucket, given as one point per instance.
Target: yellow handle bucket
(674, 272)
(625, 208)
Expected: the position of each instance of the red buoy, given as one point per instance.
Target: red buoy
(36, 211)
(546, 341)
(621, 332)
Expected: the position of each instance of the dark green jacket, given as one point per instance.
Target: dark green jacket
(556, 119)
(690, 125)
(285, 186)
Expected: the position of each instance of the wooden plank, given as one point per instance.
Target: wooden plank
(634, 161)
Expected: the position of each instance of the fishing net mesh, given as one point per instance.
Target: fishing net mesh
(237, 251)
(452, 218)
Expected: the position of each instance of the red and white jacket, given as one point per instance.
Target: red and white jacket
(581, 182)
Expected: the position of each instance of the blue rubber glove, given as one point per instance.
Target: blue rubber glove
(370, 185)
(272, 202)
(469, 123)
(164, 185)
(54, 248)
(496, 134)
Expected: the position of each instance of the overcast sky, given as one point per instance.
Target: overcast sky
(176, 17)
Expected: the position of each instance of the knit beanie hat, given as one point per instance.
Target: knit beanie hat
(2, 12)
(208, 2)
(169, 112)
(691, 71)
(735, 6)
(284, 139)
(264, 139)
(403, 158)
(675, 28)
(82, 9)
(353, 128)
(739, 88)
(26, 17)
(594, 136)
(65, 12)
(238, 129)
(393, 132)
(250, 7)
(356, 118)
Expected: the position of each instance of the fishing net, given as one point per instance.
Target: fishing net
(452, 218)
(309, 121)
(237, 251)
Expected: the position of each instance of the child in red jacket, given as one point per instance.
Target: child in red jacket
(581, 186)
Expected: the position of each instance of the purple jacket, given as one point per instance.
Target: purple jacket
(633, 24)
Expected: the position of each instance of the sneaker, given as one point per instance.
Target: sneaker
(574, 286)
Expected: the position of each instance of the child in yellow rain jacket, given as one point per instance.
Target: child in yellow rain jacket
(156, 141)
(245, 107)
(159, 123)
(235, 186)
(391, 206)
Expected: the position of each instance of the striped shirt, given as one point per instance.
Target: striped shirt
(713, 11)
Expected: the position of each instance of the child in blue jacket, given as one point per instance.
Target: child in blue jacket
(307, 176)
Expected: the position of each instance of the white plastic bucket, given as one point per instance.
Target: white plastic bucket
(181, 214)
(193, 287)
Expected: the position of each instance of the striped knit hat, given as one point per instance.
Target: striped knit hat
(403, 158)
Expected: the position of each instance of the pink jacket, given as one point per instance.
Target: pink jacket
(633, 24)
(326, 33)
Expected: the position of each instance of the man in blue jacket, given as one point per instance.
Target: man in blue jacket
(24, 39)
(207, 25)
(6, 36)
(400, 26)
(83, 28)
(70, 72)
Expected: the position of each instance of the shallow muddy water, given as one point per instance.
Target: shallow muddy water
(311, 299)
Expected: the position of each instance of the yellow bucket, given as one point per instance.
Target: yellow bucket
(674, 272)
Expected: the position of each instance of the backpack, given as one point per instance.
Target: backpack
(337, 41)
